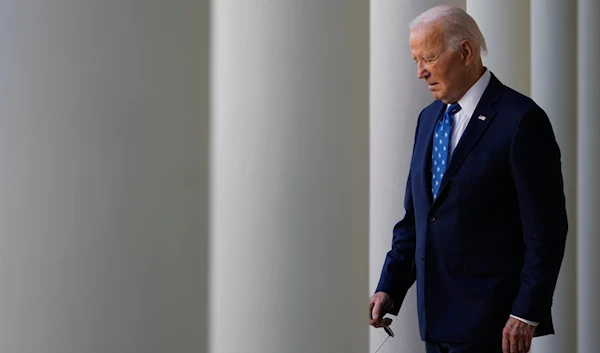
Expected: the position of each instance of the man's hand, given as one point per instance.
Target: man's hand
(517, 336)
(380, 303)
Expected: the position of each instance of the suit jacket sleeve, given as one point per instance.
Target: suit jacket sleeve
(536, 170)
(398, 273)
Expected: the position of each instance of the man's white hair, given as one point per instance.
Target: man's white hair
(458, 26)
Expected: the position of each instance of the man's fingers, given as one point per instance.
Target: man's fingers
(521, 345)
(381, 323)
(378, 305)
(514, 345)
(517, 336)
(376, 311)
(505, 343)
(377, 323)
(528, 344)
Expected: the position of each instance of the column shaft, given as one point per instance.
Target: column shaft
(588, 221)
(554, 88)
(289, 209)
(104, 176)
(506, 27)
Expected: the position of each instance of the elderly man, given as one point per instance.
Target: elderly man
(485, 224)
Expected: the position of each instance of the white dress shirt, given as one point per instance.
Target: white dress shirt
(468, 103)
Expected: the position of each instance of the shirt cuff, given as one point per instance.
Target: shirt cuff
(530, 323)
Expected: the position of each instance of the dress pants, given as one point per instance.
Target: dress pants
(482, 347)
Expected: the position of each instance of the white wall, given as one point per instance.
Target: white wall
(103, 176)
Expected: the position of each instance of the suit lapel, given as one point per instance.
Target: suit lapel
(475, 129)
(428, 128)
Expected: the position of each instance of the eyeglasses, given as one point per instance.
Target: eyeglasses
(390, 334)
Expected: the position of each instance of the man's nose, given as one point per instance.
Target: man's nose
(421, 72)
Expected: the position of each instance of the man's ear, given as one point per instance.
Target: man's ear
(466, 52)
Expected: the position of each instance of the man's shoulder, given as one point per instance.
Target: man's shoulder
(516, 100)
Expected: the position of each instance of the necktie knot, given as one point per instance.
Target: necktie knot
(453, 109)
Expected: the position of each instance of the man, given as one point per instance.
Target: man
(485, 224)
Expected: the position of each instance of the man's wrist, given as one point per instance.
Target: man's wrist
(528, 322)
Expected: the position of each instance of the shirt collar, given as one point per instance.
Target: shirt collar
(471, 98)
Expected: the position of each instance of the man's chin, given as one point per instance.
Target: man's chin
(437, 95)
(440, 97)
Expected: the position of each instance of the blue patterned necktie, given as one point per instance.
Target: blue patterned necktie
(441, 147)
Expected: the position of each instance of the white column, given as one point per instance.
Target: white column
(397, 97)
(505, 25)
(588, 221)
(103, 176)
(289, 177)
(553, 87)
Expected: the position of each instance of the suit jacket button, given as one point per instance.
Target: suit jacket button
(432, 218)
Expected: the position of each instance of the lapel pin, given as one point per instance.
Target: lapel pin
(482, 118)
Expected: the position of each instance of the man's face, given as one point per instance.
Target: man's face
(442, 70)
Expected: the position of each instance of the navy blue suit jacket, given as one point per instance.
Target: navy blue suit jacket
(492, 243)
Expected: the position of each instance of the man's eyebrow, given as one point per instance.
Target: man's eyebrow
(426, 56)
